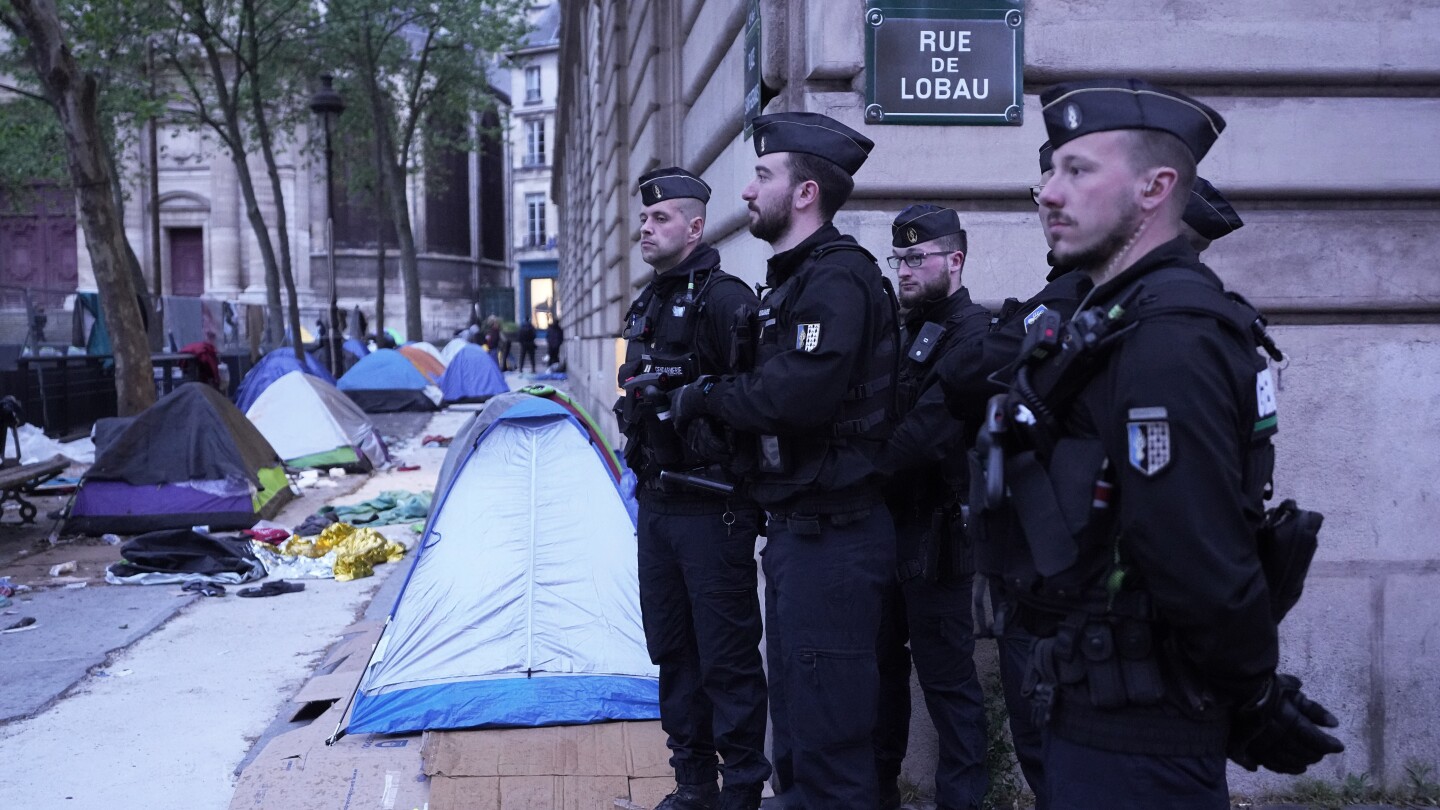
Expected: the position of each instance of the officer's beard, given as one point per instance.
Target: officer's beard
(935, 289)
(1108, 247)
(772, 223)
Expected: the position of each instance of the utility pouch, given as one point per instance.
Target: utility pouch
(1286, 543)
(1138, 662)
(744, 335)
(803, 525)
(1102, 670)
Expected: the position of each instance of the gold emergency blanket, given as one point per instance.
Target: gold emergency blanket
(357, 551)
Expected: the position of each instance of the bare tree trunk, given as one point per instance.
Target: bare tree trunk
(154, 329)
(380, 281)
(267, 148)
(392, 180)
(74, 95)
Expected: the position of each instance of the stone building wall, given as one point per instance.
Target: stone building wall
(1332, 109)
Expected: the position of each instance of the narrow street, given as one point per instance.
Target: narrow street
(154, 697)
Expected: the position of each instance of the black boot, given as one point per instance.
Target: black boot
(691, 797)
(740, 797)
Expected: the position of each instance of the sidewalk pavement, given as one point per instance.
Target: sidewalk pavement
(169, 690)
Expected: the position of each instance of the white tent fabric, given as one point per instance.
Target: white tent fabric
(452, 348)
(302, 415)
(429, 348)
(522, 608)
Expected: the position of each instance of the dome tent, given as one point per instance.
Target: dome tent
(191, 459)
(310, 423)
(501, 551)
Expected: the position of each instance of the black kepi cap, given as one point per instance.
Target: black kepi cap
(1074, 109)
(923, 222)
(669, 183)
(812, 134)
(1047, 157)
(1209, 213)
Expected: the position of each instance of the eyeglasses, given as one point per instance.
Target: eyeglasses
(913, 260)
(1035, 193)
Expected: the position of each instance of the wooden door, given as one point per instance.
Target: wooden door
(187, 262)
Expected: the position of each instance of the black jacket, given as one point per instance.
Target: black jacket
(824, 381)
(1179, 417)
(672, 324)
(925, 456)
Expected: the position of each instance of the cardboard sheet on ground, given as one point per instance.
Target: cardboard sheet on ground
(586, 767)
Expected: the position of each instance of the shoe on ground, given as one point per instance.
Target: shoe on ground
(740, 797)
(691, 797)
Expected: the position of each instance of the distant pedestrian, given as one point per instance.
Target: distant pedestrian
(526, 336)
(492, 340)
(554, 336)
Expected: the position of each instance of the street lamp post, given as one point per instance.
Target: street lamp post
(328, 104)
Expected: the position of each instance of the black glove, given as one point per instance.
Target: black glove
(1280, 730)
(688, 402)
(706, 441)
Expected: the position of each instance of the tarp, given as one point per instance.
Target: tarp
(190, 459)
(385, 380)
(431, 367)
(522, 605)
(272, 367)
(310, 423)
(184, 555)
(472, 376)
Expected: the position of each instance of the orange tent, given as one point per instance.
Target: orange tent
(432, 369)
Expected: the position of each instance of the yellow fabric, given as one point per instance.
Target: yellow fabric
(357, 551)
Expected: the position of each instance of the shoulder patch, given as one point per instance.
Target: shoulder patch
(1266, 407)
(807, 337)
(1149, 443)
(1034, 316)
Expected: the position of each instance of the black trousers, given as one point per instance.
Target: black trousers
(936, 619)
(824, 578)
(1014, 653)
(701, 612)
(1084, 778)
(526, 350)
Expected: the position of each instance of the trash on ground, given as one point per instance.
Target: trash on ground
(357, 551)
(272, 536)
(275, 588)
(27, 623)
(204, 588)
(61, 569)
(183, 555)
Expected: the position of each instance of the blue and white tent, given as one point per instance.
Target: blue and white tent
(385, 381)
(472, 376)
(274, 365)
(522, 607)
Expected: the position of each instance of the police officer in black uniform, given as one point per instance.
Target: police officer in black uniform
(696, 545)
(814, 413)
(1208, 216)
(928, 603)
(1134, 448)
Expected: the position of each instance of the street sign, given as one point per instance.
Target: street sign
(753, 101)
(944, 62)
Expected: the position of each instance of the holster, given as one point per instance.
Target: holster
(946, 551)
(1286, 543)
